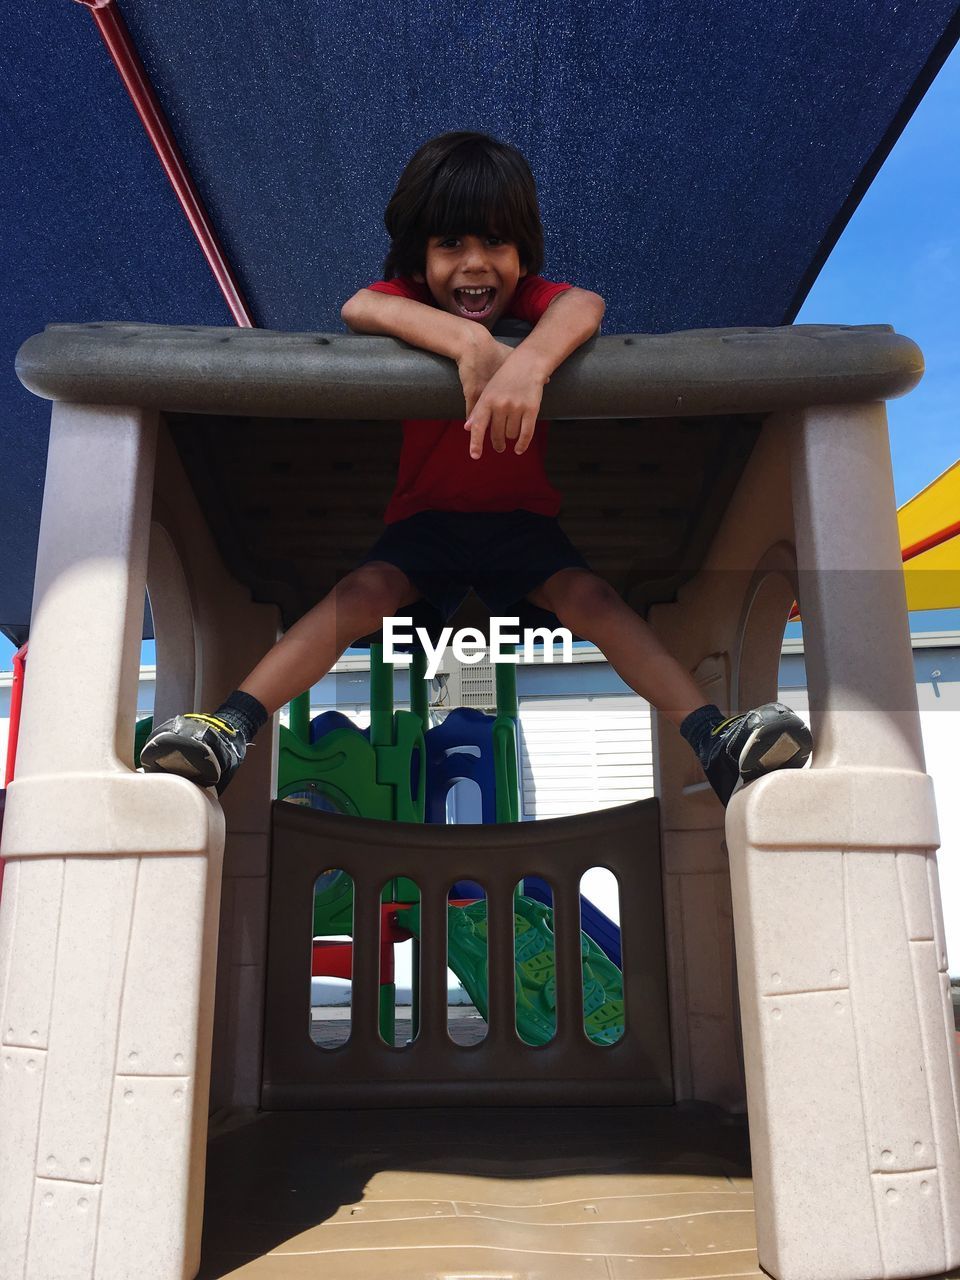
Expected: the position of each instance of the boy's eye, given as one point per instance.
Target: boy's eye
(454, 242)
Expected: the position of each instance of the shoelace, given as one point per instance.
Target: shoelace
(718, 728)
(212, 720)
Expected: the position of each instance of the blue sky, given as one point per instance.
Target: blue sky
(898, 262)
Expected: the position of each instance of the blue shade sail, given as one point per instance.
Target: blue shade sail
(696, 163)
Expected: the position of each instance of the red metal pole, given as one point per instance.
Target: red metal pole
(931, 540)
(120, 46)
(16, 698)
(16, 701)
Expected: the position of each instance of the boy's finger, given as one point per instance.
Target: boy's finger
(498, 429)
(477, 426)
(527, 428)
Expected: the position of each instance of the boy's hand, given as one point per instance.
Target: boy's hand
(510, 402)
(508, 406)
(478, 363)
(502, 386)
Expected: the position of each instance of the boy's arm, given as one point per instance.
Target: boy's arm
(510, 401)
(370, 311)
(502, 386)
(474, 350)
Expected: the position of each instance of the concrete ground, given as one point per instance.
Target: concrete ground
(330, 1026)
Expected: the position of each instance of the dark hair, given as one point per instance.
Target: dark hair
(462, 184)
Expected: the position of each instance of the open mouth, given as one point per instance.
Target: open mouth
(475, 303)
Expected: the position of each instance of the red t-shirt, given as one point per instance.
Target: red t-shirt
(436, 472)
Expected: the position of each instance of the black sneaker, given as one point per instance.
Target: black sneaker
(203, 748)
(750, 745)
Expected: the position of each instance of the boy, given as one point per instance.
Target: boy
(466, 247)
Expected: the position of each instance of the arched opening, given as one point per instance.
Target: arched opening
(464, 803)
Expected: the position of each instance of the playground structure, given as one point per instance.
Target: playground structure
(381, 774)
(401, 769)
(390, 772)
(773, 443)
(329, 756)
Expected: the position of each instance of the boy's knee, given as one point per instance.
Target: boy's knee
(373, 591)
(579, 597)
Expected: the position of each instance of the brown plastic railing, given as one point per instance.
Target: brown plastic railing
(434, 1071)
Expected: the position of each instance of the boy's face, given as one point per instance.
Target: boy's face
(473, 276)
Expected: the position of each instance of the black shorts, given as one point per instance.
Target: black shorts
(502, 556)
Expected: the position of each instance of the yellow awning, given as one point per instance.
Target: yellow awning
(930, 540)
(930, 543)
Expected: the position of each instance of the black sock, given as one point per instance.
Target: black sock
(244, 712)
(696, 727)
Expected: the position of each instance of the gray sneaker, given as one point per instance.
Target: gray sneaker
(750, 745)
(200, 747)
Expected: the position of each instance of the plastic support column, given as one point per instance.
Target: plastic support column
(300, 716)
(419, 701)
(381, 698)
(506, 765)
(505, 674)
(388, 1002)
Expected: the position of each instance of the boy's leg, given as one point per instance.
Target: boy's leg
(356, 606)
(590, 608)
(744, 746)
(208, 748)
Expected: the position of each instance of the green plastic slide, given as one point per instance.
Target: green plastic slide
(535, 971)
